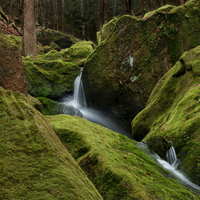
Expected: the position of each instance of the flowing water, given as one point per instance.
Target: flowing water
(76, 105)
(171, 165)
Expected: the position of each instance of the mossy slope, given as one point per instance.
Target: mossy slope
(136, 54)
(114, 164)
(173, 111)
(33, 162)
(53, 74)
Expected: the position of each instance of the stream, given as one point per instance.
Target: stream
(76, 105)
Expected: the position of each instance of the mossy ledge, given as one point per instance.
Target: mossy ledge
(33, 162)
(173, 109)
(115, 165)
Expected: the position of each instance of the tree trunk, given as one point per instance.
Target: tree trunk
(101, 17)
(127, 7)
(61, 15)
(142, 7)
(107, 10)
(29, 41)
(54, 17)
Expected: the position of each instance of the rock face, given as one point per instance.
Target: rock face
(115, 165)
(33, 162)
(52, 75)
(121, 73)
(173, 109)
(13, 74)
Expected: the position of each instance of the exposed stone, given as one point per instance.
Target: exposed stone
(13, 74)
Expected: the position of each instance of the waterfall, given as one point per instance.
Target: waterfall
(76, 105)
(171, 157)
(170, 165)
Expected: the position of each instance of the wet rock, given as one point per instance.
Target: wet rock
(159, 145)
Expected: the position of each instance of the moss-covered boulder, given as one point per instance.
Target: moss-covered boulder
(33, 162)
(45, 36)
(115, 165)
(52, 75)
(125, 67)
(173, 109)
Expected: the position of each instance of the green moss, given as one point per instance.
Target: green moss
(116, 166)
(50, 107)
(52, 75)
(33, 162)
(173, 109)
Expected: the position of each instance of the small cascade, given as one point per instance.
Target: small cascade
(171, 157)
(170, 166)
(76, 105)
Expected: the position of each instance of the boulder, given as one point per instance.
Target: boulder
(113, 162)
(46, 36)
(33, 162)
(173, 109)
(52, 75)
(123, 70)
(13, 74)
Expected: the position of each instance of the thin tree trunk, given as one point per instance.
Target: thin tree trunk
(29, 41)
(61, 15)
(107, 10)
(101, 18)
(115, 8)
(127, 7)
(142, 7)
(53, 9)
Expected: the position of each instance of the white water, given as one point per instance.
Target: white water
(170, 165)
(76, 105)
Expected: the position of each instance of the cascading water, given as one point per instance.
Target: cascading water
(170, 165)
(76, 105)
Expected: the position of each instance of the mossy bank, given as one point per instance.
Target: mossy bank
(172, 111)
(33, 162)
(115, 165)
